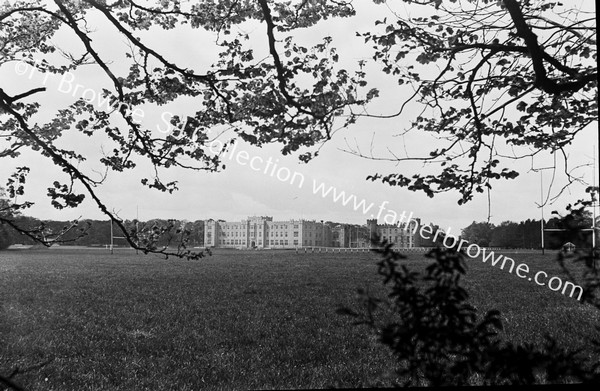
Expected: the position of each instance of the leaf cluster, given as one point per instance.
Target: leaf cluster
(492, 80)
(292, 98)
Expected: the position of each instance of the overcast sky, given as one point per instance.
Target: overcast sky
(241, 190)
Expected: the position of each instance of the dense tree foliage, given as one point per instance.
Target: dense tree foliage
(527, 234)
(494, 81)
(4, 238)
(478, 233)
(506, 73)
(256, 100)
(97, 233)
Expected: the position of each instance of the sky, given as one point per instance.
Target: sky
(285, 188)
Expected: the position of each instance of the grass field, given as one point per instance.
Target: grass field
(236, 320)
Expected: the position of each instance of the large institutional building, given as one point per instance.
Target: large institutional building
(403, 235)
(263, 232)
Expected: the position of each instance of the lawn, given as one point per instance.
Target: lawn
(236, 320)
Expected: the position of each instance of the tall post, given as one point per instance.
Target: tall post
(137, 220)
(111, 237)
(593, 224)
(542, 205)
(542, 229)
(594, 203)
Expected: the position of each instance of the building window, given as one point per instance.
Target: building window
(295, 242)
(295, 234)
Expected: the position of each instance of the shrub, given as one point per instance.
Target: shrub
(439, 339)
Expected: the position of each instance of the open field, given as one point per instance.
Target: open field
(236, 320)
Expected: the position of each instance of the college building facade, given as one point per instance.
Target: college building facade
(403, 235)
(263, 232)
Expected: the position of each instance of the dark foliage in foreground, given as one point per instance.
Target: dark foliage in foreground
(440, 339)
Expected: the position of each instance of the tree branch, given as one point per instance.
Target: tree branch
(281, 73)
(538, 55)
(28, 93)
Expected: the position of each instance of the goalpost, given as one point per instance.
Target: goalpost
(113, 237)
(593, 229)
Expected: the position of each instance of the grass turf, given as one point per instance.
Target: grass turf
(236, 320)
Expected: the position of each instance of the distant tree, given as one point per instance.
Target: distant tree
(98, 234)
(14, 227)
(560, 231)
(507, 234)
(196, 229)
(4, 235)
(576, 225)
(4, 238)
(553, 239)
(531, 230)
(525, 234)
(478, 233)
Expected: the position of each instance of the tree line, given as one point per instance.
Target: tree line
(508, 234)
(87, 232)
(528, 234)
